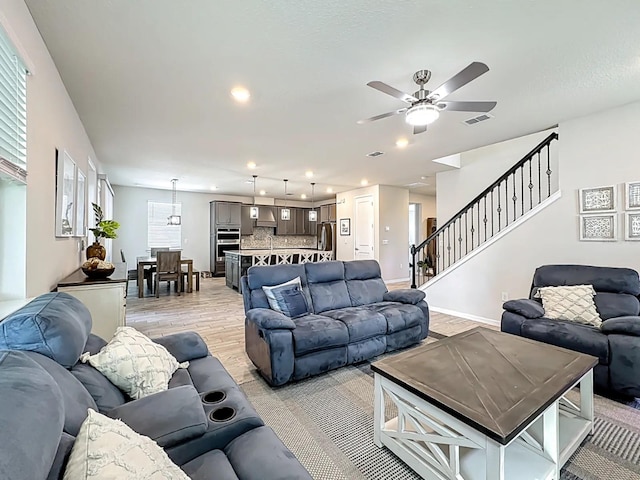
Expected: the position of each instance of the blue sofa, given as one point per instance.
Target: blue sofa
(203, 421)
(616, 343)
(352, 317)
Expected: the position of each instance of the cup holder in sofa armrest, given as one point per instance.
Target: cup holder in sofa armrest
(222, 414)
(215, 396)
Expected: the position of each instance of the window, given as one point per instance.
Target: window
(13, 112)
(159, 233)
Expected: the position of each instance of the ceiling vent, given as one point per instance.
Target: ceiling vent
(375, 154)
(416, 185)
(480, 118)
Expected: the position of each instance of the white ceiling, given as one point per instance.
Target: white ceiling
(151, 80)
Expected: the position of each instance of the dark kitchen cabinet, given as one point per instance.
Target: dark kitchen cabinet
(328, 213)
(304, 226)
(246, 222)
(286, 227)
(332, 212)
(228, 214)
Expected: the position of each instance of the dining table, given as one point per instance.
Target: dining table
(153, 262)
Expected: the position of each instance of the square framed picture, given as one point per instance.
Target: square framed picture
(632, 226)
(598, 199)
(345, 227)
(632, 195)
(598, 228)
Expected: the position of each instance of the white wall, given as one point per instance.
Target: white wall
(428, 209)
(595, 150)
(52, 122)
(394, 232)
(346, 208)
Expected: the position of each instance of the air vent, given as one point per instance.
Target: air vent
(416, 185)
(375, 154)
(478, 119)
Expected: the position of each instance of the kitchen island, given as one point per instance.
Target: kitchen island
(238, 262)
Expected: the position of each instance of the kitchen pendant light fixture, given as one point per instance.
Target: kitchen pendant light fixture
(254, 211)
(313, 215)
(285, 213)
(174, 219)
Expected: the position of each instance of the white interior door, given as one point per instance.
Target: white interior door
(364, 234)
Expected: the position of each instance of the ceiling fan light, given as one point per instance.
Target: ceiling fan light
(421, 115)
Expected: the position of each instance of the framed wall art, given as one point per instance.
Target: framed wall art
(632, 195)
(345, 227)
(632, 226)
(81, 204)
(598, 228)
(598, 199)
(65, 194)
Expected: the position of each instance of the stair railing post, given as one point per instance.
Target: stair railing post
(413, 266)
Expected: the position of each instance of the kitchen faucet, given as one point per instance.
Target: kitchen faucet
(270, 242)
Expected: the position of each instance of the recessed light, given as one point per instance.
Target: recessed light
(263, 192)
(364, 182)
(213, 187)
(251, 165)
(423, 177)
(240, 94)
(308, 174)
(303, 196)
(402, 142)
(329, 190)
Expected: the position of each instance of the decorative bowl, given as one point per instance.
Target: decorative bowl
(98, 272)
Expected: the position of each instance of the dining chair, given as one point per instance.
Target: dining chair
(168, 270)
(154, 251)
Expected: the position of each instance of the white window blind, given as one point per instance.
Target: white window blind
(159, 234)
(13, 111)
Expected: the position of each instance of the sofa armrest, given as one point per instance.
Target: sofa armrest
(404, 295)
(169, 417)
(269, 319)
(184, 346)
(622, 325)
(527, 308)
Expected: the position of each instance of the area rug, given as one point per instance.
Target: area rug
(327, 422)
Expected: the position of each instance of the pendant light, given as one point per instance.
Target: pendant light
(254, 211)
(174, 219)
(313, 215)
(285, 213)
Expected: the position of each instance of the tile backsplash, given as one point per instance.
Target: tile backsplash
(260, 239)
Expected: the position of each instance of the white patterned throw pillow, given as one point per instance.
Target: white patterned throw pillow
(134, 363)
(107, 449)
(574, 303)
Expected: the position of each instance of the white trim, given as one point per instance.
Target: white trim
(512, 226)
(17, 45)
(468, 316)
(398, 280)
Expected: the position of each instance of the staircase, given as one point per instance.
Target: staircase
(511, 197)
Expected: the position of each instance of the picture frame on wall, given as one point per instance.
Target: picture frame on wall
(65, 194)
(632, 195)
(598, 199)
(81, 204)
(632, 226)
(599, 228)
(345, 227)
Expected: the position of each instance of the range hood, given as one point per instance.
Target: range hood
(266, 218)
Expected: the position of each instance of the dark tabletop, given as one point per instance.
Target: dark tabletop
(79, 278)
(493, 381)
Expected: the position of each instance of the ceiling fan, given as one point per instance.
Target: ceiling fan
(425, 106)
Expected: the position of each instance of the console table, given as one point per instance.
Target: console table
(105, 298)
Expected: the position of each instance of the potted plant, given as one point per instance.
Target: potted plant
(103, 229)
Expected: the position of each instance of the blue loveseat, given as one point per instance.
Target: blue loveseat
(203, 421)
(616, 343)
(352, 317)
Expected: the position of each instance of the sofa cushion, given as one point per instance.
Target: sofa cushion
(316, 332)
(603, 279)
(62, 456)
(134, 363)
(260, 276)
(274, 296)
(54, 324)
(107, 448)
(361, 322)
(104, 393)
(211, 465)
(573, 303)
(33, 415)
(399, 316)
(364, 282)
(76, 399)
(612, 305)
(294, 303)
(327, 286)
(574, 336)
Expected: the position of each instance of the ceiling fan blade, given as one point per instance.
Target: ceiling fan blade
(394, 92)
(382, 115)
(463, 77)
(419, 129)
(468, 106)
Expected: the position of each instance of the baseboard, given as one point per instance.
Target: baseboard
(397, 280)
(467, 316)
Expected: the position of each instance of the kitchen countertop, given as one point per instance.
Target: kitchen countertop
(251, 252)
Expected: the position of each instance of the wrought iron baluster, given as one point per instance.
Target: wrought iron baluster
(506, 201)
(522, 188)
(499, 210)
(485, 218)
(466, 233)
(448, 247)
(515, 197)
(530, 187)
(460, 237)
(539, 181)
(548, 171)
(492, 212)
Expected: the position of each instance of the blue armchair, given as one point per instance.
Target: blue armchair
(616, 343)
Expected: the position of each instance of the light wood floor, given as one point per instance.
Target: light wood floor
(216, 312)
